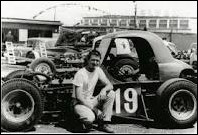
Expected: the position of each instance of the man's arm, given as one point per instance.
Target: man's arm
(105, 81)
(108, 85)
(79, 96)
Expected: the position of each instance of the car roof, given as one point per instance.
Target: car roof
(125, 33)
(128, 33)
(154, 40)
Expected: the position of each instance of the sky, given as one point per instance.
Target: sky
(71, 12)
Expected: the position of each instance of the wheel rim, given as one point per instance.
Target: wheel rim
(182, 104)
(126, 70)
(17, 106)
(43, 68)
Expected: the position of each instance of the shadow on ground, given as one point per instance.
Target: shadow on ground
(75, 127)
(145, 124)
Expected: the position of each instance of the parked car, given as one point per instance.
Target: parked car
(35, 44)
(32, 49)
(161, 91)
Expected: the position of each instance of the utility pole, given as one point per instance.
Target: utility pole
(54, 13)
(135, 13)
(171, 29)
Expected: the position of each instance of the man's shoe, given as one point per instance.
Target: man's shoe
(84, 128)
(105, 128)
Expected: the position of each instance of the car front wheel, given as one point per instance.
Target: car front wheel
(21, 105)
(177, 102)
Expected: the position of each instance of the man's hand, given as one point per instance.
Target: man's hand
(102, 94)
(100, 115)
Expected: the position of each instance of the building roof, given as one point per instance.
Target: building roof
(124, 16)
(29, 21)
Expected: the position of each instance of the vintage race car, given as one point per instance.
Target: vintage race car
(53, 48)
(32, 48)
(160, 89)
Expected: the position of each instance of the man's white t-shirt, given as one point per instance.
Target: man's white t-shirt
(88, 80)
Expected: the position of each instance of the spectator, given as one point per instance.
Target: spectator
(193, 59)
(9, 37)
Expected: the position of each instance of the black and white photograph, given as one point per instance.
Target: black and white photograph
(118, 67)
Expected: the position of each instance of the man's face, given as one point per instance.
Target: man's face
(93, 62)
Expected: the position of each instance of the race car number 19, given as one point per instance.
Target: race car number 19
(128, 101)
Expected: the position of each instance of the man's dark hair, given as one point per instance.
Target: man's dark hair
(93, 52)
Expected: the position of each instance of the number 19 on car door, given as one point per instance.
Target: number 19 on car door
(126, 102)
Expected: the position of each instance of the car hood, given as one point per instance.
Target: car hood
(57, 51)
(184, 65)
(61, 50)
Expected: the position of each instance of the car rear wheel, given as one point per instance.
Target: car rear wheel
(21, 105)
(123, 70)
(43, 65)
(177, 102)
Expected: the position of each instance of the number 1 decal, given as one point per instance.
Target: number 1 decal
(117, 101)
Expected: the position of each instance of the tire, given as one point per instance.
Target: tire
(123, 70)
(16, 74)
(43, 63)
(22, 74)
(21, 105)
(177, 103)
